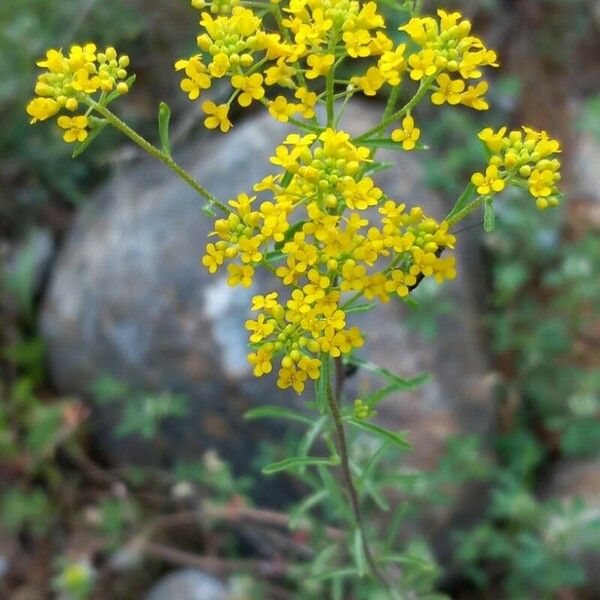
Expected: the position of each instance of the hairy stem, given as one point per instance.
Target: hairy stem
(160, 155)
(342, 445)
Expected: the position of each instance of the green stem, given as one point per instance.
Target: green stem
(342, 445)
(466, 211)
(156, 153)
(423, 89)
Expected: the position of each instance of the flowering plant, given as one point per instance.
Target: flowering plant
(319, 222)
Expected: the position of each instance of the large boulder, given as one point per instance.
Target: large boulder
(129, 298)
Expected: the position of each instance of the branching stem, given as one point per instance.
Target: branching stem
(159, 154)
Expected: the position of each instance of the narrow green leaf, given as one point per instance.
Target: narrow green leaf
(360, 308)
(341, 573)
(295, 462)
(489, 216)
(402, 384)
(274, 256)
(374, 166)
(81, 147)
(464, 199)
(276, 412)
(335, 495)
(289, 234)
(305, 506)
(208, 210)
(379, 500)
(407, 559)
(410, 301)
(377, 456)
(164, 118)
(311, 435)
(381, 432)
(394, 524)
(373, 399)
(382, 143)
(359, 554)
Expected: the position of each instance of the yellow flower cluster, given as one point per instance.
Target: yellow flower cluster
(317, 237)
(321, 225)
(314, 34)
(312, 39)
(450, 54)
(69, 79)
(526, 158)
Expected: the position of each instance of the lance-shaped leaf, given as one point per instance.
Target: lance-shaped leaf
(381, 432)
(295, 462)
(276, 412)
(81, 147)
(164, 118)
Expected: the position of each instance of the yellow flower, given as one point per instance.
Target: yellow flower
(280, 74)
(449, 90)
(217, 116)
(490, 183)
(213, 258)
(75, 128)
(473, 97)
(371, 82)
(251, 88)
(240, 275)
(308, 101)
(541, 183)
(261, 360)
(40, 109)
(494, 141)
(319, 65)
(392, 64)
(281, 110)
(55, 62)
(197, 77)
(219, 65)
(422, 64)
(408, 135)
(260, 328)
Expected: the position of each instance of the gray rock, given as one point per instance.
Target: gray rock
(187, 584)
(129, 298)
(586, 167)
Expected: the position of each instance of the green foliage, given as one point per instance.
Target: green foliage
(38, 157)
(25, 509)
(141, 413)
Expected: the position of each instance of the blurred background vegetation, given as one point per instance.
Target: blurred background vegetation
(69, 524)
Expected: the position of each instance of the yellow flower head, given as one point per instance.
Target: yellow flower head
(75, 128)
(217, 116)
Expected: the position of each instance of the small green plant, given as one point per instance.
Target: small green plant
(303, 61)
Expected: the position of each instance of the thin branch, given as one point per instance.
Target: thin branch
(345, 464)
